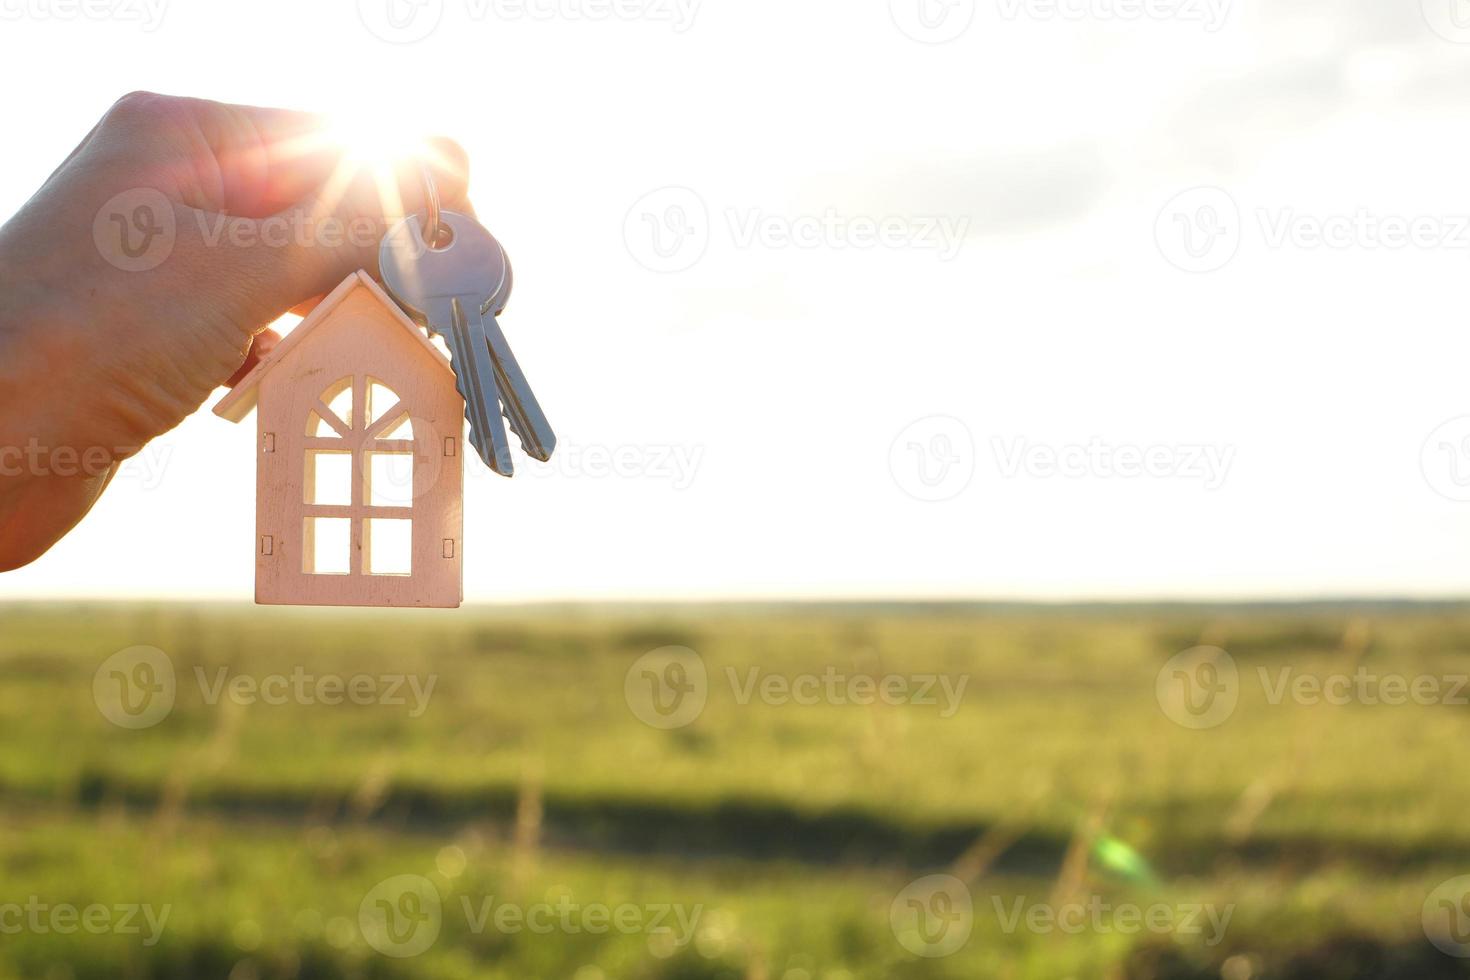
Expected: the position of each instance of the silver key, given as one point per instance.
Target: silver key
(455, 291)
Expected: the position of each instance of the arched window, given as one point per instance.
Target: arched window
(358, 480)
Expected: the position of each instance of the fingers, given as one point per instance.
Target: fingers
(370, 203)
(283, 211)
(271, 160)
(260, 348)
(387, 193)
(268, 159)
(277, 263)
(251, 161)
(304, 308)
(450, 166)
(243, 160)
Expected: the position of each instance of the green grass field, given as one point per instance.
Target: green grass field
(762, 839)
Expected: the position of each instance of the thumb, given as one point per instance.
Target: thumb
(268, 265)
(348, 217)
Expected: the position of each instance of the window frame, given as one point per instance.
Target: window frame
(356, 436)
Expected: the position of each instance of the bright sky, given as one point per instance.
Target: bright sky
(862, 315)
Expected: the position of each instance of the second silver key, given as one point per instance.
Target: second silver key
(451, 289)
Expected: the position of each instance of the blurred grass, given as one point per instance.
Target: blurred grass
(793, 827)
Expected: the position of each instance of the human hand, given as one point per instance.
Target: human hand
(136, 279)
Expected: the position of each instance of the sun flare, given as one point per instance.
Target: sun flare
(368, 143)
(392, 155)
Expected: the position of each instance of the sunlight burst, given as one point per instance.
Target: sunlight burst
(382, 151)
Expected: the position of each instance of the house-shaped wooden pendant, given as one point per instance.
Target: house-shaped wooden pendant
(359, 479)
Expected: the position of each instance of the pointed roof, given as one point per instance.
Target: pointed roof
(238, 403)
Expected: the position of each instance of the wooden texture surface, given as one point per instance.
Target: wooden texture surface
(356, 348)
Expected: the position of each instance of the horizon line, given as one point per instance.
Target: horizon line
(1338, 601)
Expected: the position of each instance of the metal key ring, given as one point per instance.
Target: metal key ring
(433, 225)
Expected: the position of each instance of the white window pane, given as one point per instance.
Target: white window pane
(339, 399)
(389, 479)
(380, 398)
(319, 429)
(327, 546)
(328, 477)
(389, 546)
(400, 429)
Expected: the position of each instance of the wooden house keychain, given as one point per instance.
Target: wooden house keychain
(359, 486)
